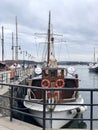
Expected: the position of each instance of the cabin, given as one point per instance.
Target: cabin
(55, 78)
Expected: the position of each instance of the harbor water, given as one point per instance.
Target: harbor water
(88, 80)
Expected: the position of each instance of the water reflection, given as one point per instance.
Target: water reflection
(76, 123)
(89, 80)
(72, 124)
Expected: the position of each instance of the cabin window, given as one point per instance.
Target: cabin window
(46, 73)
(59, 72)
(52, 73)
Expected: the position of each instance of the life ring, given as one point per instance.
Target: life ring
(45, 83)
(60, 83)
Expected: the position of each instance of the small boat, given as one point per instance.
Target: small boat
(93, 67)
(52, 76)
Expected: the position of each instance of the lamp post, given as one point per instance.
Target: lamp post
(28, 59)
(18, 47)
(13, 51)
(24, 54)
(29, 55)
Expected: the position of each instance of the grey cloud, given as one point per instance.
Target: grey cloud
(77, 20)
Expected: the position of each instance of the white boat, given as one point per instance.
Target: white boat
(58, 111)
(63, 104)
(93, 67)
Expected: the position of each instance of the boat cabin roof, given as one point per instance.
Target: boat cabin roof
(56, 68)
(53, 73)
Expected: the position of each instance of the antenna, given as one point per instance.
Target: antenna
(94, 54)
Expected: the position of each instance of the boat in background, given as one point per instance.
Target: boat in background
(3, 66)
(58, 102)
(93, 67)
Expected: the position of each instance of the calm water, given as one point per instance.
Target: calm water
(88, 80)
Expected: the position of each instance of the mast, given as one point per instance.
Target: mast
(94, 54)
(2, 44)
(12, 47)
(16, 57)
(48, 57)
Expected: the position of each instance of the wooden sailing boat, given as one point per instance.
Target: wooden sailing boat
(54, 77)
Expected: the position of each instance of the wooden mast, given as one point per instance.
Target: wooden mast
(2, 44)
(12, 47)
(94, 54)
(16, 57)
(48, 57)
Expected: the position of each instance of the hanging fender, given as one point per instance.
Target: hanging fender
(79, 110)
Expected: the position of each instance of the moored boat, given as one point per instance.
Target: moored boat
(93, 67)
(62, 104)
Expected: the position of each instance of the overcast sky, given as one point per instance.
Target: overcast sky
(76, 20)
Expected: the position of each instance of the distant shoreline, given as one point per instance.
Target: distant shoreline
(10, 62)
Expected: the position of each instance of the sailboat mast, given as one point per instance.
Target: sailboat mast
(48, 57)
(2, 43)
(94, 54)
(16, 41)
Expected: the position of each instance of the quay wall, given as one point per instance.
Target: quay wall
(5, 77)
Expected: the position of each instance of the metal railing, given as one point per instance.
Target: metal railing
(5, 76)
(13, 98)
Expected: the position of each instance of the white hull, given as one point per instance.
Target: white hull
(53, 123)
(60, 111)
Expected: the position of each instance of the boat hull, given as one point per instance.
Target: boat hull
(95, 70)
(54, 115)
(60, 114)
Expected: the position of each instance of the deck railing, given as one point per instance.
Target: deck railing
(12, 108)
